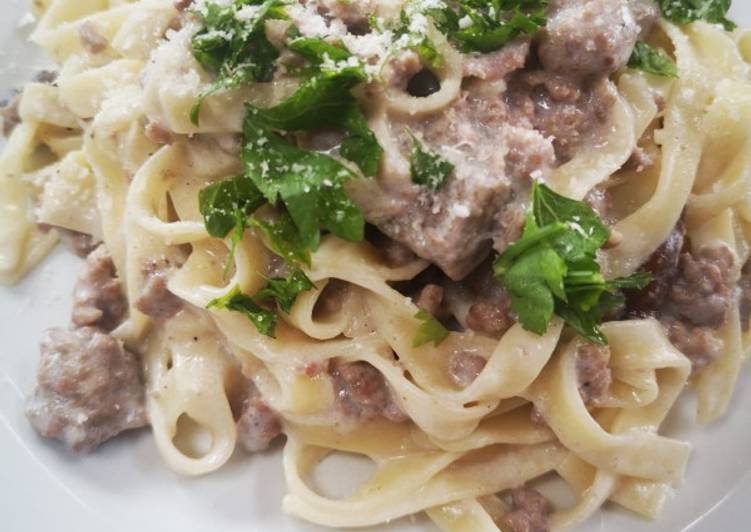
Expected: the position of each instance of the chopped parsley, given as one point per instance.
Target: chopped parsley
(650, 59)
(426, 167)
(263, 319)
(283, 238)
(487, 25)
(233, 44)
(226, 206)
(686, 11)
(552, 268)
(430, 330)
(282, 291)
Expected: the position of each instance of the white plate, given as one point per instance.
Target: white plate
(124, 485)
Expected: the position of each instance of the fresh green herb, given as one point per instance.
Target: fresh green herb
(686, 11)
(263, 319)
(309, 184)
(552, 268)
(284, 239)
(284, 290)
(652, 60)
(234, 46)
(325, 100)
(226, 206)
(426, 167)
(485, 26)
(430, 330)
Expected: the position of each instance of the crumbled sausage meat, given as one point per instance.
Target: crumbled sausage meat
(79, 243)
(258, 425)
(91, 39)
(98, 296)
(499, 64)
(529, 512)
(156, 301)
(157, 134)
(490, 317)
(699, 344)
(593, 374)
(88, 389)
(464, 367)
(182, 5)
(362, 393)
(431, 299)
(703, 291)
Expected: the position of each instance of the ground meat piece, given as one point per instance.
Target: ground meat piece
(663, 266)
(592, 38)
(9, 114)
(45, 76)
(699, 344)
(88, 389)
(362, 393)
(703, 291)
(431, 299)
(92, 41)
(182, 5)
(97, 296)
(744, 300)
(258, 425)
(455, 227)
(529, 512)
(157, 134)
(490, 317)
(592, 371)
(79, 243)
(560, 107)
(156, 301)
(464, 367)
(497, 65)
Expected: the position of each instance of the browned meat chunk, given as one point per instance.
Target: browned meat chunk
(663, 266)
(455, 227)
(431, 299)
(592, 371)
(258, 424)
(92, 41)
(156, 301)
(703, 291)
(588, 38)
(464, 367)
(182, 5)
(499, 64)
(529, 512)
(560, 107)
(699, 344)
(9, 114)
(97, 296)
(745, 296)
(88, 389)
(490, 317)
(363, 394)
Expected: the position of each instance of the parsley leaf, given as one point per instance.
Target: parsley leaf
(309, 184)
(263, 319)
(284, 290)
(686, 11)
(430, 330)
(325, 100)
(226, 206)
(490, 24)
(235, 47)
(283, 238)
(426, 167)
(552, 268)
(649, 59)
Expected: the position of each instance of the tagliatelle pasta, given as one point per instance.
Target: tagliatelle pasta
(110, 150)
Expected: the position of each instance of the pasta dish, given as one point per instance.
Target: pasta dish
(482, 244)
